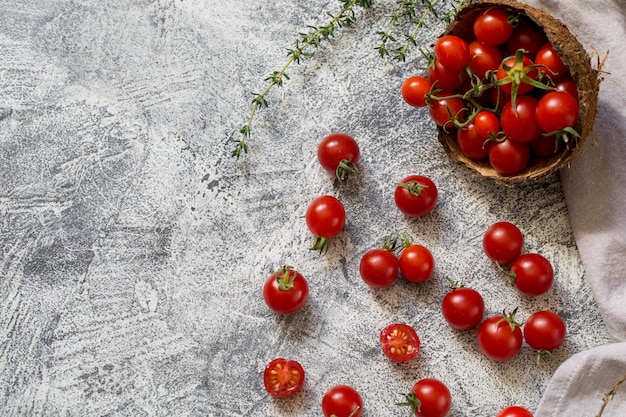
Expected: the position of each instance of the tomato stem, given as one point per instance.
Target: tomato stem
(411, 401)
(320, 244)
(414, 187)
(344, 168)
(285, 277)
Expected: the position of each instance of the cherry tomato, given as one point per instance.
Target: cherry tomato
(544, 330)
(509, 157)
(342, 401)
(567, 85)
(555, 111)
(492, 26)
(400, 342)
(379, 268)
(283, 377)
(545, 146)
(503, 242)
(444, 110)
(523, 68)
(325, 218)
(463, 308)
(414, 90)
(416, 195)
(338, 153)
(527, 36)
(514, 411)
(520, 123)
(429, 397)
(532, 273)
(551, 61)
(285, 291)
(471, 143)
(500, 337)
(484, 58)
(452, 52)
(444, 78)
(417, 263)
(487, 124)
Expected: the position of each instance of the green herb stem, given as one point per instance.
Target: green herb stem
(311, 39)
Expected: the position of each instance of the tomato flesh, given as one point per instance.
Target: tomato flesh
(399, 342)
(283, 377)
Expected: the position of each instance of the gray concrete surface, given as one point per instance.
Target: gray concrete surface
(134, 247)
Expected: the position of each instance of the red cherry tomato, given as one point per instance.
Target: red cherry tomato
(555, 111)
(444, 110)
(283, 378)
(524, 70)
(463, 308)
(532, 274)
(567, 85)
(400, 342)
(285, 291)
(487, 124)
(416, 195)
(500, 337)
(417, 263)
(545, 146)
(452, 52)
(503, 242)
(338, 153)
(414, 90)
(520, 123)
(444, 78)
(484, 58)
(527, 36)
(471, 143)
(429, 397)
(492, 26)
(342, 401)
(325, 217)
(514, 411)
(545, 331)
(551, 62)
(509, 157)
(379, 268)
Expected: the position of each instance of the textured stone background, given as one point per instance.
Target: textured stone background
(134, 247)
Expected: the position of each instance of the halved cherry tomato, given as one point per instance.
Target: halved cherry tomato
(283, 377)
(400, 342)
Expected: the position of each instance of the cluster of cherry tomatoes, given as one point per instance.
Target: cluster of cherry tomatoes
(505, 92)
(500, 337)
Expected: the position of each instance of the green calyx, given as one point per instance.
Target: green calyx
(414, 188)
(285, 277)
(411, 401)
(344, 168)
(320, 244)
(510, 319)
(518, 74)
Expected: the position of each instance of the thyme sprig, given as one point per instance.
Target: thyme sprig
(411, 10)
(610, 394)
(313, 38)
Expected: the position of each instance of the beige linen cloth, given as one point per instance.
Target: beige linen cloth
(595, 191)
